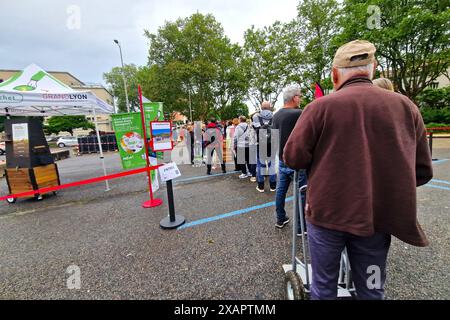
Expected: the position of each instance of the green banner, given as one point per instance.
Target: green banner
(153, 111)
(130, 139)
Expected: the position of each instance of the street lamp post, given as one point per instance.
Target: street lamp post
(190, 107)
(123, 76)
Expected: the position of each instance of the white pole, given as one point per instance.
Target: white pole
(101, 150)
(190, 107)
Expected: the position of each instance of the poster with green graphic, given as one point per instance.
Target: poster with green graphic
(130, 141)
(153, 111)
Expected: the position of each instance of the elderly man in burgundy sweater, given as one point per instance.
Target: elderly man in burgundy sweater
(365, 151)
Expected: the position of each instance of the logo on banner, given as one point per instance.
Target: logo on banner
(11, 97)
(132, 142)
(65, 96)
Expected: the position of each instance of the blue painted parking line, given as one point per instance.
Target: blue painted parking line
(266, 205)
(204, 177)
(230, 214)
(436, 187)
(440, 181)
(440, 161)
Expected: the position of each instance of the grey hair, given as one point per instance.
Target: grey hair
(367, 69)
(290, 92)
(266, 105)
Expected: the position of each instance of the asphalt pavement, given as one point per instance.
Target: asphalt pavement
(229, 248)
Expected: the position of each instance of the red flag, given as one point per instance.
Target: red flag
(318, 92)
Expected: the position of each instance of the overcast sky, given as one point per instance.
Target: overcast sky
(47, 32)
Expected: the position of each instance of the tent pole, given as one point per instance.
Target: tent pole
(101, 150)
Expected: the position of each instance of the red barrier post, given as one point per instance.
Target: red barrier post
(78, 183)
(152, 202)
(430, 142)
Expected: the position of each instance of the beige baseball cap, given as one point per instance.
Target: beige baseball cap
(354, 53)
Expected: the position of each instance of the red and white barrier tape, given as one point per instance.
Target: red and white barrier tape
(79, 183)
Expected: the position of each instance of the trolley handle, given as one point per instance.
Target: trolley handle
(298, 210)
(303, 188)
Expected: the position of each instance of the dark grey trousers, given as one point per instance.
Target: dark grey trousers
(367, 257)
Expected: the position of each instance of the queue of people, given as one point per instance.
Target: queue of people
(365, 151)
(362, 150)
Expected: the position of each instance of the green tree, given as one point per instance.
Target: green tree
(2, 123)
(160, 85)
(315, 28)
(411, 37)
(271, 61)
(67, 123)
(435, 98)
(192, 60)
(436, 116)
(435, 106)
(114, 80)
(231, 111)
(231, 85)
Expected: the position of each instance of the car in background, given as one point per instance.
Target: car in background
(67, 142)
(2, 148)
(52, 138)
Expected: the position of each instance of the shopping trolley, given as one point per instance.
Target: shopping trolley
(298, 274)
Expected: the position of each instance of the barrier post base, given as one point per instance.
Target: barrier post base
(167, 224)
(152, 203)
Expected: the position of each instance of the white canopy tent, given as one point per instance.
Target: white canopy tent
(34, 92)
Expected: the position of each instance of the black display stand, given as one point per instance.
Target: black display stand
(29, 163)
(32, 152)
(172, 221)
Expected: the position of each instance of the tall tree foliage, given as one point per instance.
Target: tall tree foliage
(192, 59)
(233, 110)
(231, 84)
(114, 80)
(192, 62)
(316, 25)
(271, 60)
(411, 36)
(67, 123)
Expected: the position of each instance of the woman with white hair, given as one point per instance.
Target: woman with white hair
(384, 83)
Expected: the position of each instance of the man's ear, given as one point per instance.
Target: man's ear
(375, 65)
(334, 75)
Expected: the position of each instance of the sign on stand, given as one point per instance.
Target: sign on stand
(153, 111)
(161, 135)
(169, 171)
